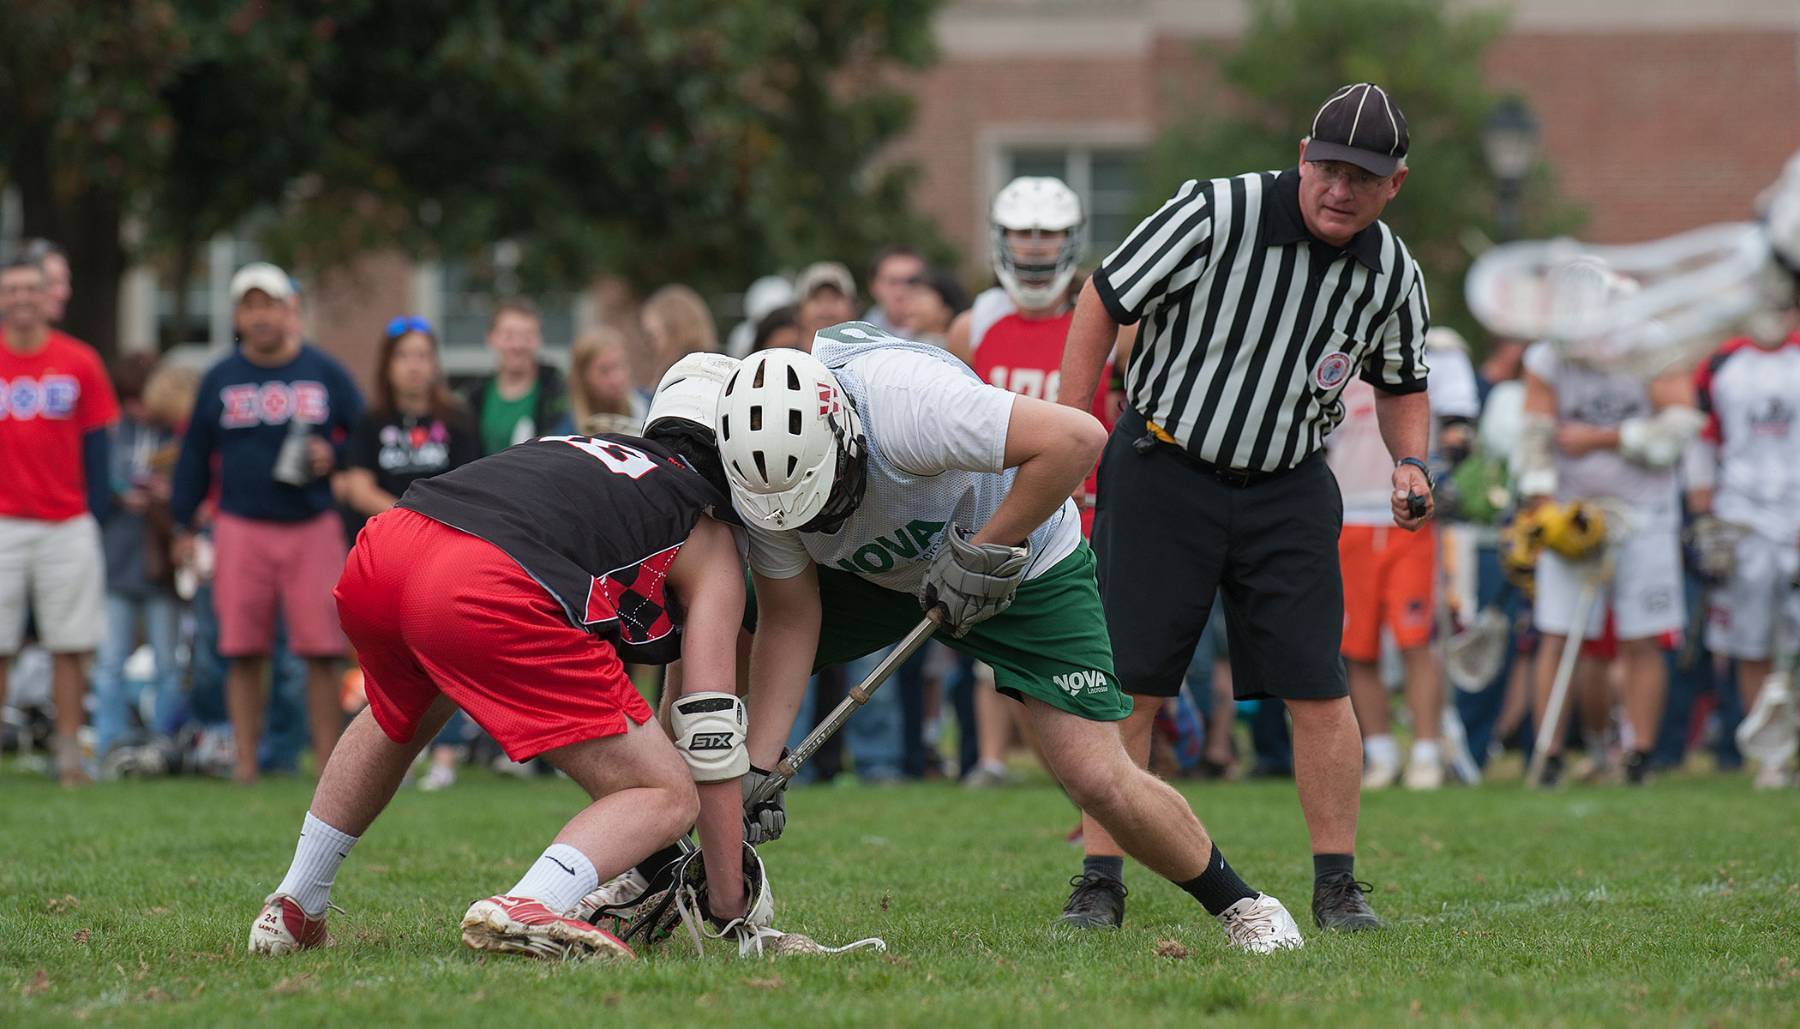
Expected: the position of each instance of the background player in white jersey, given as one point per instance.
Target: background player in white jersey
(1745, 489)
(1611, 439)
(879, 476)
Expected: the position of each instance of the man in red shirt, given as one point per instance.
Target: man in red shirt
(55, 406)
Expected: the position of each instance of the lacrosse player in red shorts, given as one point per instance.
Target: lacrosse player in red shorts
(515, 588)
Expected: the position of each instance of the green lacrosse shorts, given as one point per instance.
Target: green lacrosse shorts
(1051, 644)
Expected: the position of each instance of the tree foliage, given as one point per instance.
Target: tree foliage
(1294, 53)
(698, 140)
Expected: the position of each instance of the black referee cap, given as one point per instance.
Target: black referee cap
(1362, 125)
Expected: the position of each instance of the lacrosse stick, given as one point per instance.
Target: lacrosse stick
(859, 695)
(1697, 288)
(1770, 732)
(1565, 667)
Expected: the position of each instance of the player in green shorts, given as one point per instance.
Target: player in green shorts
(879, 478)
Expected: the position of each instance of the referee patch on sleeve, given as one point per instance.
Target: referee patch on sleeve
(1331, 371)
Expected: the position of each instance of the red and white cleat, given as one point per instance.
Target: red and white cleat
(518, 925)
(284, 928)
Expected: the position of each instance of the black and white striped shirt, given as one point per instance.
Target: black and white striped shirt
(1253, 325)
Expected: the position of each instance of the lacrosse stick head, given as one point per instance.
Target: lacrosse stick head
(1695, 288)
(1472, 657)
(1770, 733)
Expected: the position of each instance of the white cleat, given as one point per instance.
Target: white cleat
(519, 925)
(284, 928)
(1260, 925)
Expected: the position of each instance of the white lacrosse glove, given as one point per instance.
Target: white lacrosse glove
(767, 819)
(972, 582)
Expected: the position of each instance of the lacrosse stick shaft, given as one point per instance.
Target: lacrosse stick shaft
(857, 697)
(1565, 672)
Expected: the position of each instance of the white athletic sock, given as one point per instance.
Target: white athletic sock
(316, 859)
(1382, 750)
(559, 878)
(1426, 752)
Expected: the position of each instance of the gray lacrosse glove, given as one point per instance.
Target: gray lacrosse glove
(766, 820)
(972, 582)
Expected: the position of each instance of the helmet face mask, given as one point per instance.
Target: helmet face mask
(848, 484)
(791, 443)
(1038, 235)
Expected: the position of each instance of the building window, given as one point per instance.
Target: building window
(1107, 179)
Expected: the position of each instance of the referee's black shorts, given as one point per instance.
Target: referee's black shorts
(1169, 534)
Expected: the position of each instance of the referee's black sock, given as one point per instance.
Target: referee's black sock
(1218, 887)
(1107, 867)
(1326, 866)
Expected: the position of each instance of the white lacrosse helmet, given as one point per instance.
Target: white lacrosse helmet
(791, 443)
(689, 391)
(1035, 203)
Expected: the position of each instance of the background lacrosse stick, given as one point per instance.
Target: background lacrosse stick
(1770, 732)
(1599, 573)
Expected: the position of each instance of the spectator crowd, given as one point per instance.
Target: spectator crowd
(171, 535)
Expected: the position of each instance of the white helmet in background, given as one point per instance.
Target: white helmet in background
(689, 391)
(790, 442)
(1037, 204)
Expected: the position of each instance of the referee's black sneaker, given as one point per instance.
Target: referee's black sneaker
(1338, 904)
(1097, 903)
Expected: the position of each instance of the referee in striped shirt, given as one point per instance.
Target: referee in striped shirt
(1260, 295)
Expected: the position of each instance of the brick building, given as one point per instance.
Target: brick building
(1657, 115)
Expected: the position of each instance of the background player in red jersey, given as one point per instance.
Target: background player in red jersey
(1013, 336)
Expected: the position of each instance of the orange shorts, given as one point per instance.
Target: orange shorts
(1388, 576)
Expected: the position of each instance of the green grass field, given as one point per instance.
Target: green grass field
(1677, 904)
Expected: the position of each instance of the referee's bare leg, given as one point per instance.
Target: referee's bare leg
(1328, 771)
(1153, 823)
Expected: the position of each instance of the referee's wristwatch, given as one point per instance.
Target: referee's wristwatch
(1430, 483)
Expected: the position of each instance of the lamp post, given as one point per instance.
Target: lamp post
(1509, 142)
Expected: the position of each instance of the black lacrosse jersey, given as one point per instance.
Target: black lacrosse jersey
(596, 520)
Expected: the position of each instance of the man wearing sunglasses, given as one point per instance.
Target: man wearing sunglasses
(275, 416)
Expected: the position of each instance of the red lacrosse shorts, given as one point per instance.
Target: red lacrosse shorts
(434, 610)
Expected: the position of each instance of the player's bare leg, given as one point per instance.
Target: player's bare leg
(325, 716)
(1154, 824)
(367, 768)
(1369, 699)
(1425, 702)
(644, 798)
(245, 700)
(1646, 683)
(1099, 898)
(355, 786)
